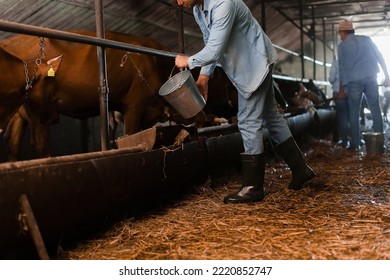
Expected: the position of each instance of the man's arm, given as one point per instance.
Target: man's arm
(181, 61)
(202, 84)
(386, 82)
(381, 62)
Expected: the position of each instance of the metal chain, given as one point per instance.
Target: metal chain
(124, 60)
(38, 61)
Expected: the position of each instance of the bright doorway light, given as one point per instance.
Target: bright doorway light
(383, 42)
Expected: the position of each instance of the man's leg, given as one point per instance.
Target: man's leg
(250, 124)
(355, 91)
(343, 118)
(287, 147)
(372, 96)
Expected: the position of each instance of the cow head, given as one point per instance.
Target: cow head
(41, 98)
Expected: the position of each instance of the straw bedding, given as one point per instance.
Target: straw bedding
(344, 213)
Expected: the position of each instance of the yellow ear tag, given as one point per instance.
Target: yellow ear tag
(51, 72)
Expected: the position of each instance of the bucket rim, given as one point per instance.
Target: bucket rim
(167, 88)
(372, 133)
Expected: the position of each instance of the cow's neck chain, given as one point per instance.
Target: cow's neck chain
(140, 74)
(124, 60)
(38, 61)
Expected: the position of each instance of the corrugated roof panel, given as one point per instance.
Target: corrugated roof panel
(157, 18)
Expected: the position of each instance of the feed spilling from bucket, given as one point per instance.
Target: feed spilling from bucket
(182, 93)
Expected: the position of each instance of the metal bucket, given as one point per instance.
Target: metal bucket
(374, 143)
(183, 94)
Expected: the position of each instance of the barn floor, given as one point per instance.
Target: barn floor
(344, 213)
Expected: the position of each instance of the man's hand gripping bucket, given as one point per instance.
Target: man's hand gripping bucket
(183, 94)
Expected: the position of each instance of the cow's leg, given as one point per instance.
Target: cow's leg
(13, 136)
(140, 94)
(40, 139)
(114, 120)
(112, 125)
(134, 107)
(132, 120)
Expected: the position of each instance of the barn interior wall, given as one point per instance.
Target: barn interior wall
(292, 66)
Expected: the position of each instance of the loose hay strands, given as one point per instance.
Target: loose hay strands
(344, 213)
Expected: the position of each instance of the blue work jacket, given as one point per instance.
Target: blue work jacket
(358, 59)
(234, 40)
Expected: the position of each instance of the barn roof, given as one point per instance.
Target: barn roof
(159, 19)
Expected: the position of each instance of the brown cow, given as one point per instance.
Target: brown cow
(13, 86)
(13, 93)
(17, 76)
(221, 106)
(133, 80)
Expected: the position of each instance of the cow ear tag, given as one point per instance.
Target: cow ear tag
(51, 72)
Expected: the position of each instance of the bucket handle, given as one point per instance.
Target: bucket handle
(181, 71)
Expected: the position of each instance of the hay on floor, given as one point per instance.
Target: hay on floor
(344, 213)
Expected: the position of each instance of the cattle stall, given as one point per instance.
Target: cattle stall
(72, 195)
(60, 198)
(342, 214)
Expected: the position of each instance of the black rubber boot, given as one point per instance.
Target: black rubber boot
(253, 169)
(292, 155)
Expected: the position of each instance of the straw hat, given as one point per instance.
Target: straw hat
(345, 25)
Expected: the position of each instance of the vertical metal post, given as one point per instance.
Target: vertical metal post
(263, 21)
(302, 43)
(103, 79)
(180, 31)
(335, 41)
(324, 51)
(314, 42)
(33, 228)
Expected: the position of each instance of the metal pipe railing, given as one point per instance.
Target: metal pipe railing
(318, 62)
(68, 36)
(323, 83)
(78, 38)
